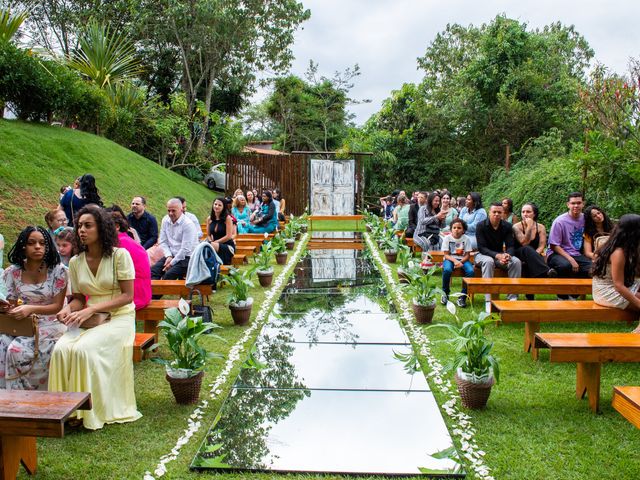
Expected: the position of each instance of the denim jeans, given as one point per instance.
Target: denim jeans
(447, 270)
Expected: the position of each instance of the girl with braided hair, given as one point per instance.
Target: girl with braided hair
(36, 283)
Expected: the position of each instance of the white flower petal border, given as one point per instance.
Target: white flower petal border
(194, 421)
(460, 422)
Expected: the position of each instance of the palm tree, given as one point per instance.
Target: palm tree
(104, 57)
(9, 24)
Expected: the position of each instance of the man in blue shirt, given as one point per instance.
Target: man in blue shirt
(143, 222)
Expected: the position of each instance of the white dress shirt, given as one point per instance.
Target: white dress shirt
(178, 239)
(196, 222)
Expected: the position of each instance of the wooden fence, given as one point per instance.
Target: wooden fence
(265, 172)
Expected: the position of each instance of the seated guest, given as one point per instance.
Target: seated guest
(282, 204)
(252, 201)
(430, 222)
(565, 242)
(178, 238)
(461, 202)
(99, 359)
(191, 216)
(1, 251)
(400, 216)
(84, 192)
(36, 283)
(264, 220)
(412, 220)
(55, 219)
(143, 222)
(457, 254)
(473, 214)
(531, 240)
(616, 268)
(509, 216)
(596, 224)
(241, 213)
(220, 231)
(237, 192)
(496, 248)
(451, 211)
(66, 244)
(142, 282)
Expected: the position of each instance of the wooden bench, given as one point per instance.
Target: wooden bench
(25, 415)
(324, 218)
(239, 259)
(534, 312)
(178, 287)
(153, 314)
(532, 286)
(141, 343)
(254, 236)
(589, 351)
(626, 400)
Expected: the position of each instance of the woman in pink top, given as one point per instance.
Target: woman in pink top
(142, 282)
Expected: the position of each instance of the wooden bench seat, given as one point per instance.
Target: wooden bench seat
(25, 415)
(177, 287)
(141, 343)
(541, 286)
(589, 351)
(254, 236)
(153, 314)
(239, 259)
(626, 400)
(534, 312)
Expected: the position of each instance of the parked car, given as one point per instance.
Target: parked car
(216, 178)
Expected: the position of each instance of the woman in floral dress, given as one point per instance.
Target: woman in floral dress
(36, 283)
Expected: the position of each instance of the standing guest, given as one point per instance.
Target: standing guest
(430, 222)
(143, 222)
(141, 266)
(401, 213)
(507, 207)
(191, 217)
(242, 213)
(38, 280)
(473, 214)
(457, 254)
(178, 238)
(55, 219)
(84, 192)
(616, 268)
(565, 241)
(531, 240)
(99, 359)
(496, 248)
(282, 204)
(451, 211)
(596, 224)
(252, 201)
(66, 244)
(220, 231)
(412, 221)
(264, 220)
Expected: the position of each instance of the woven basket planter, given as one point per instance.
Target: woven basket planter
(186, 390)
(423, 313)
(474, 395)
(265, 277)
(281, 258)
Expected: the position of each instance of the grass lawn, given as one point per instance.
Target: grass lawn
(337, 225)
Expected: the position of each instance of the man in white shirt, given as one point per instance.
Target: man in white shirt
(191, 216)
(178, 238)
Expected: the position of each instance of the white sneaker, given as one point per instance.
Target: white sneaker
(512, 297)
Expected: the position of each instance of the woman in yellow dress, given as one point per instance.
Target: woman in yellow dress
(98, 360)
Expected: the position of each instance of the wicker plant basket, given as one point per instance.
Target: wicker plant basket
(423, 313)
(186, 390)
(265, 278)
(281, 258)
(241, 315)
(474, 395)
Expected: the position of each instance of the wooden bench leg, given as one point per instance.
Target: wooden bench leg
(530, 329)
(588, 382)
(151, 326)
(16, 450)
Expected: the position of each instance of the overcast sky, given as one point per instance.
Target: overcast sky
(386, 36)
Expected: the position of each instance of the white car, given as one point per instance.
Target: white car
(216, 178)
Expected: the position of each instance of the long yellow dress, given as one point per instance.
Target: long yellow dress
(99, 360)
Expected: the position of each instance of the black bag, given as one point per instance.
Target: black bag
(201, 310)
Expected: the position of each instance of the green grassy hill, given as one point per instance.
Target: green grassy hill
(36, 160)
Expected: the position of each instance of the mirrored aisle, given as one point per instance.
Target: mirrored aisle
(329, 386)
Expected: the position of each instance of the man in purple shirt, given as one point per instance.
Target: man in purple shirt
(565, 241)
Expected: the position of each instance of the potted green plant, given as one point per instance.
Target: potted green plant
(389, 244)
(289, 235)
(423, 292)
(280, 249)
(296, 226)
(240, 303)
(476, 369)
(184, 371)
(264, 268)
(406, 263)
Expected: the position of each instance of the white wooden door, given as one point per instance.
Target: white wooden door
(332, 187)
